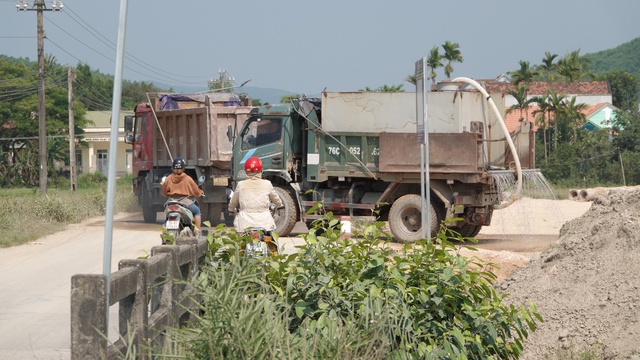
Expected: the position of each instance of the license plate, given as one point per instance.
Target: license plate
(257, 249)
(172, 224)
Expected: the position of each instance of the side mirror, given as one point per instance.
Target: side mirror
(128, 123)
(230, 133)
(128, 139)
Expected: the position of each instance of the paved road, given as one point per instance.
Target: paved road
(35, 282)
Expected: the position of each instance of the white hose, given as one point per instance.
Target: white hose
(516, 194)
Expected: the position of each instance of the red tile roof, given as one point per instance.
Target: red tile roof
(541, 87)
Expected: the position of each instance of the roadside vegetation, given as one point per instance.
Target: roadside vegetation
(26, 216)
(337, 298)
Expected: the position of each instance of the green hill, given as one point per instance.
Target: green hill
(625, 57)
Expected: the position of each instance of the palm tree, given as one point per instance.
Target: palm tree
(573, 67)
(555, 103)
(522, 103)
(525, 74)
(451, 54)
(541, 120)
(548, 69)
(575, 116)
(434, 61)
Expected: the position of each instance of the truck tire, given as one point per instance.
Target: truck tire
(467, 230)
(215, 214)
(285, 218)
(149, 213)
(405, 219)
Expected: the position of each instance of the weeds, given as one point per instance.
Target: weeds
(26, 216)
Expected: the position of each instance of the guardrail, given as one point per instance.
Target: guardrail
(151, 293)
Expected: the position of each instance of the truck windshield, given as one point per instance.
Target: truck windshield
(261, 131)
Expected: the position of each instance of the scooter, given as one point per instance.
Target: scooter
(261, 244)
(178, 220)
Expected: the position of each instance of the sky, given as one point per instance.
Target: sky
(308, 46)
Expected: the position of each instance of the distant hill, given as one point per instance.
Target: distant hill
(625, 57)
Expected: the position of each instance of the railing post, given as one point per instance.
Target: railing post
(88, 317)
(133, 310)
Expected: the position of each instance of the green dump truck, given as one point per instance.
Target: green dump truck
(356, 153)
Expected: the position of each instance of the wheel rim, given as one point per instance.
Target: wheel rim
(411, 220)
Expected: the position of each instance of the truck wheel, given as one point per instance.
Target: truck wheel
(405, 219)
(211, 212)
(149, 213)
(467, 230)
(285, 218)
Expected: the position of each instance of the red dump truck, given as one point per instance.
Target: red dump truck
(191, 126)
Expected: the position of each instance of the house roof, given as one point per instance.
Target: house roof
(541, 87)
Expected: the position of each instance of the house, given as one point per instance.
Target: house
(599, 116)
(95, 156)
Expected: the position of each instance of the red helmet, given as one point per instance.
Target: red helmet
(253, 165)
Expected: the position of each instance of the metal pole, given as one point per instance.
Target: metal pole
(113, 148)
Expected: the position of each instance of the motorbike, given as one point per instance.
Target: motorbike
(262, 243)
(178, 220)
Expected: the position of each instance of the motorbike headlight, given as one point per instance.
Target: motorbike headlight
(163, 179)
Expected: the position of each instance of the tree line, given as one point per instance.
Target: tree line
(19, 128)
(566, 152)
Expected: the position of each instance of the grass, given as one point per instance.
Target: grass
(26, 216)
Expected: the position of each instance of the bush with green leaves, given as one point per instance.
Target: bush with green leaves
(340, 297)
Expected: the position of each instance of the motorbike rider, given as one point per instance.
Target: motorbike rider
(254, 195)
(178, 186)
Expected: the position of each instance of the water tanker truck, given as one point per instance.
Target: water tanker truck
(356, 154)
(191, 126)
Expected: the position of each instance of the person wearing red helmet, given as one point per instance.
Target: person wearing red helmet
(253, 196)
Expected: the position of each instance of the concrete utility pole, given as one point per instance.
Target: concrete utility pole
(39, 6)
(72, 133)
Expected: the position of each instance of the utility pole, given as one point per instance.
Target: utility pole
(72, 133)
(39, 6)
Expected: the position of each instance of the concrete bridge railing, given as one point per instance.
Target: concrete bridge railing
(152, 295)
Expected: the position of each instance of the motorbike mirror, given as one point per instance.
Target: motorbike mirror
(201, 180)
(163, 179)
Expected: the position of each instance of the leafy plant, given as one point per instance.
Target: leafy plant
(340, 297)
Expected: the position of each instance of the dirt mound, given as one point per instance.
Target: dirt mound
(586, 285)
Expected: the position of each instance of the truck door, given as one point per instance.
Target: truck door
(262, 137)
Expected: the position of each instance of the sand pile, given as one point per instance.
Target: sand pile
(586, 285)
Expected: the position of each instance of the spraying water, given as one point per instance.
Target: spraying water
(534, 184)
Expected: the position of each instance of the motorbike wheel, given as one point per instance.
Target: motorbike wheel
(285, 218)
(175, 234)
(405, 219)
(272, 248)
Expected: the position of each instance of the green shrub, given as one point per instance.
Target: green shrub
(91, 180)
(346, 298)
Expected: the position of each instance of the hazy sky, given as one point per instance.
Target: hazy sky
(306, 46)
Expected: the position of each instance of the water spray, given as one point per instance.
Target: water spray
(516, 194)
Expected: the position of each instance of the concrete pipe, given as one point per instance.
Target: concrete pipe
(574, 194)
(592, 194)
